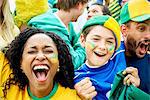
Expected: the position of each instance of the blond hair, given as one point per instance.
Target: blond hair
(8, 30)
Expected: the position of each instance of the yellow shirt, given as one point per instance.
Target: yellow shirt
(14, 93)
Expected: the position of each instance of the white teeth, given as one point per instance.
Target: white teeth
(100, 53)
(40, 67)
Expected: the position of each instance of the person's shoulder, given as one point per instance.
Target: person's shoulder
(82, 68)
(41, 17)
(2, 58)
(1, 53)
(5, 70)
(147, 56)
(71, 94)
(46, 21)
(15, 93)
(122, 46)
(65, 93)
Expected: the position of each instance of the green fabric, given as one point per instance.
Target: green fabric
(120, 91)
(50, 22)
(52, 2)
(124, 14)
(46, 97)
(74, 37)
(96, 20)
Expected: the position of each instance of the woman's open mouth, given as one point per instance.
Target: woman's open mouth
(41, 72)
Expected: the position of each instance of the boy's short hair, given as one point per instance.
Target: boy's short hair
(106, 21)
(68, 4)
(135, 10)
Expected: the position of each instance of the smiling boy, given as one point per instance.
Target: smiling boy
(101, 39)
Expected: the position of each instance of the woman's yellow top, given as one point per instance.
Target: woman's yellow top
(14, 93)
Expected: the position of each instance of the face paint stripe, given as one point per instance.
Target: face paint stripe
(54, 57)
(110, 49)
(90, 45)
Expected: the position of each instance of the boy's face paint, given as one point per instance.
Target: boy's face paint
(90, 44)
(111, 48)
(99, 45)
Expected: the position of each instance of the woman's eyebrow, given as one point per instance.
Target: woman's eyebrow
(48, 46)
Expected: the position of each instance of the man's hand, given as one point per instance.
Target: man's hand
(85, 89)
(132, 76)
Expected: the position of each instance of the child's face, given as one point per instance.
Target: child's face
(99, 45)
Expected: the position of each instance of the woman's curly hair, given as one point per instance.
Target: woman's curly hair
(14, 56)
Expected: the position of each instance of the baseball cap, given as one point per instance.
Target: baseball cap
(135, 10)
(108, 22)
